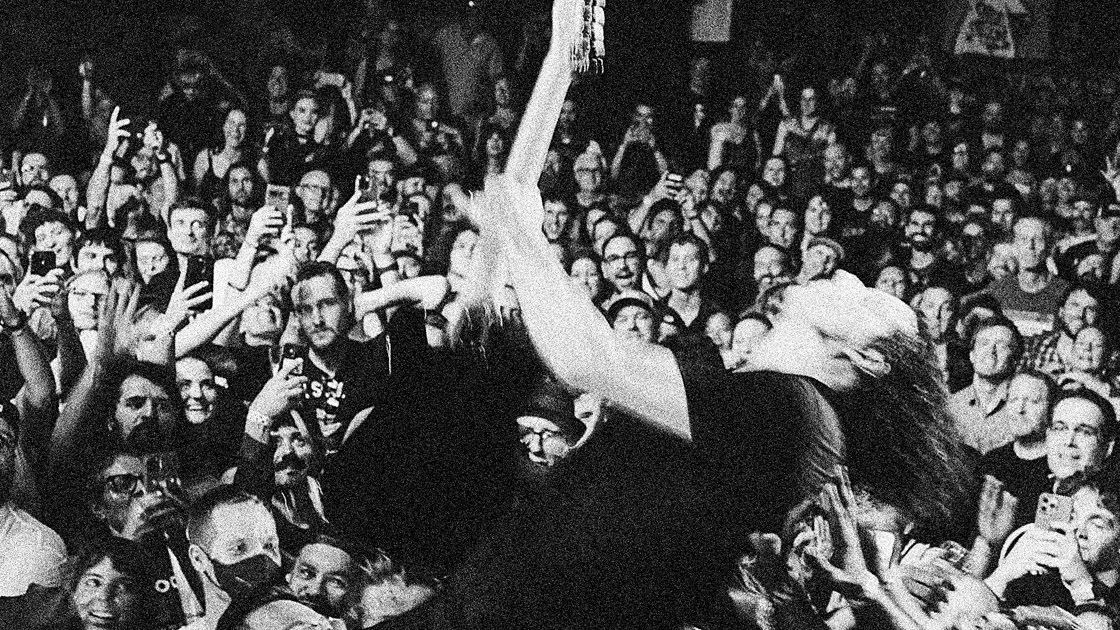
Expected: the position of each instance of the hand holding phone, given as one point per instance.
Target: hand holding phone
(295, 355)
(200, 269)
(278, 197)
(1053, 511)
(42, 263)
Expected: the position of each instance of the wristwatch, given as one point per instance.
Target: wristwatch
(17, 325)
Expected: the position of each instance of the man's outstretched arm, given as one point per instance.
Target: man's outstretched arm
(570, 334)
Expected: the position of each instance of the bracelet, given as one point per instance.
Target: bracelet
(384, 270)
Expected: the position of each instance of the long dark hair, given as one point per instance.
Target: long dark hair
(901, 441)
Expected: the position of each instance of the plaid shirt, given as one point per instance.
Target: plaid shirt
(1040, 352)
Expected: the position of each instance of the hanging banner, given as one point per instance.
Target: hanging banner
(711, 21)
(1004, 29)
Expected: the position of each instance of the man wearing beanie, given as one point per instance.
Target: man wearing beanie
(548, 426)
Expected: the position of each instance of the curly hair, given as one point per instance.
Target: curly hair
(902, 444)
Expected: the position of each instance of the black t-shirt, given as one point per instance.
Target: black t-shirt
(363, 377)
(766, 442)
(1024, 479)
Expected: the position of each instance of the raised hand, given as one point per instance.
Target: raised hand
(271, 275)
(183, 299)
(1069, 563)
(1111, 172)
(266, 221)
(153, 138)
(282, 392)
(567, 24)
(847, 570)
(85, 70)
(667, 187)
(1035, 552)
(355, 216)
(117, 333)
(118, 131)
(9, 314)
(996, 517)
(35, 291)
(152, 515)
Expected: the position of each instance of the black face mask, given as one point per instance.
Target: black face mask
(247, 578)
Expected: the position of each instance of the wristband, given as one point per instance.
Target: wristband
(18, 325)
(257, 425)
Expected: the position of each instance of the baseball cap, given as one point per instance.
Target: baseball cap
(626, 298)
(828, 242)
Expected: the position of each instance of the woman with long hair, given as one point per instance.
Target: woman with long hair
(213, 163)
(735, 142)
(490, 153)
(802, 139)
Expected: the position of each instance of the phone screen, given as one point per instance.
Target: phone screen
(291, 352)
(200, 269)
(42, 263)
(278, 197)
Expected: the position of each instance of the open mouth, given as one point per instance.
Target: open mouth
(101, 617)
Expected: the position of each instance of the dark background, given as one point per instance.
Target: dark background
(132, 41)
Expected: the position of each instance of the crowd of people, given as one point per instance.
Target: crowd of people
(410, 345)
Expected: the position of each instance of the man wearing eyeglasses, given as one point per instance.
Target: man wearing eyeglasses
(548, 428)
(139, 498)
(314, 190)
(624, 262)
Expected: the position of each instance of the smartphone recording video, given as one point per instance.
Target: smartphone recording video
(278, 197)
(290, 353)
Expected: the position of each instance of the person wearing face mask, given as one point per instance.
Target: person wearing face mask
(235, 552)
